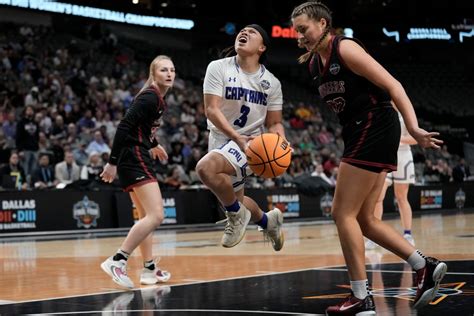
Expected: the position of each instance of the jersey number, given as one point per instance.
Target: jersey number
(242, 120)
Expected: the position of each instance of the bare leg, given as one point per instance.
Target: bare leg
(401, 193)
(150, 198)
(379, 205)
(147, 244)
(214, 170)
(383, 234)
(348, 200)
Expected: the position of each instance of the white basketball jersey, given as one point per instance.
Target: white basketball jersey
(403, 147)
(246, 97)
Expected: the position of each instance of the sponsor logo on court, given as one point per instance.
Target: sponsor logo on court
(86, 213)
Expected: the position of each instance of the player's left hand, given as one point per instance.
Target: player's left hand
(426, 139)
(159, 152)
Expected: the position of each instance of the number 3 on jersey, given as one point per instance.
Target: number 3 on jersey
(242, 120)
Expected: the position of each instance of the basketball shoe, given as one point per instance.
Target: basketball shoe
(427, 280)
(118, 271)
(273, 231)
(234, 230)
(150, 277)
(353, 306)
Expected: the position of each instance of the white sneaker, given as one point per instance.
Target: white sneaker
(409, 238)
(234, 230)
(117, 270)
(274, 231)
(370, 245)
(150, 277)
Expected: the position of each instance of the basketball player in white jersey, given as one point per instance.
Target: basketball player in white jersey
(241, 97)
(401, 179)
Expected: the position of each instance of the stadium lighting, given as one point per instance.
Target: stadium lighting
(101, 14)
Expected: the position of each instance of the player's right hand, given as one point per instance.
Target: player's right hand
(243, 141)
(426, 139)
(108, 175)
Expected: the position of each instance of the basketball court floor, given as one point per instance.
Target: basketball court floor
(60, 275)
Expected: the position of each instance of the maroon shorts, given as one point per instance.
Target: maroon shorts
(371, 140)
(135, 168)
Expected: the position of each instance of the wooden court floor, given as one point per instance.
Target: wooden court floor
(35, 270)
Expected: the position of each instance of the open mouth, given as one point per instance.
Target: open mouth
(243, 39)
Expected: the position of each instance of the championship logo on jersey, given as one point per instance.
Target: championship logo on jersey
(86, 213)
(265, 84)
(334, 69)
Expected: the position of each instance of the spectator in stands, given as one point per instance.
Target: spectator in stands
(12, 175)
(461, 171)
(361, 92)
(59, 129)
(72, 136)
(67, 171)
(319, 172)
(444, 171)
(330, 163)
(97, 144)
(296, 167)
(196, 155)
(27, 137)
(44, 145)
(94, 167)
(175, 179)
(324, 136)
(80, 154)
(33, 98)
(176, 156)
(9, 129)
(134, 148)
(4, 150)
(86, 124)
(43, 176)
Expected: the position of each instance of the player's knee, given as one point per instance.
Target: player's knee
(335, 215)
(204, 170)
(157, 219)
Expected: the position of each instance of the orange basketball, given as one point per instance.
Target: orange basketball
(268, 155)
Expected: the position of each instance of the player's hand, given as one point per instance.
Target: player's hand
(243, 141)
(426, 139)
(108, 175)
(159, 152)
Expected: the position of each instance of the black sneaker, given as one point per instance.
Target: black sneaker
(353, 306)
(427, 281)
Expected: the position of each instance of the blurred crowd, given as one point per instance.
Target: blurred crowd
(62, 97)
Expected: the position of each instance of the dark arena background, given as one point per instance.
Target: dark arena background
(78, 65)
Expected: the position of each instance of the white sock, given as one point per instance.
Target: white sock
(417, 260)
(360, 288)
